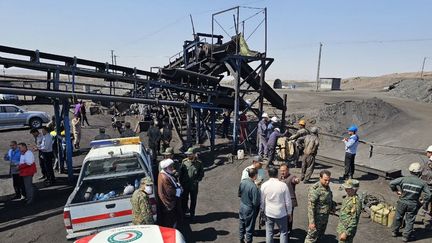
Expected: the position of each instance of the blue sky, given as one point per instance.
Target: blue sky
(361, 38)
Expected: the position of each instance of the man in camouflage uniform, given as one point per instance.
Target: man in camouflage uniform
(349, 212)
(320, 205)
(141, 208)
(408, 188)
(191, 173)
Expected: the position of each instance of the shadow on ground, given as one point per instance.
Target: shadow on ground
(16, 213)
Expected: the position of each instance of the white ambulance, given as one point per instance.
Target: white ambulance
(137, 234)
(110, 173)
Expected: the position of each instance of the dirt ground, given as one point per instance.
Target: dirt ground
(217, 210)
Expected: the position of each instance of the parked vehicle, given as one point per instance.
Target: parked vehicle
(100, 200)
(6, 97)
(14, 116)
(137, 233)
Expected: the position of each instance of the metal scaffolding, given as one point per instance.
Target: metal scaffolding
(189, 87)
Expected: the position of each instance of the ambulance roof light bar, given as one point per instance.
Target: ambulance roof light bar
(115, 142)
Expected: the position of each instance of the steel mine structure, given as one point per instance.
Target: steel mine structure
(188, 87)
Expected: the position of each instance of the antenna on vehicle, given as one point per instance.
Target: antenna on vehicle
(121, 152)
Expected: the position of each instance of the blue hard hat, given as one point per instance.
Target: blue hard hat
(353, 128)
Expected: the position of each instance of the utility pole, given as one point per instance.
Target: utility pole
(319, 66)
(424, 61)
(112, 57)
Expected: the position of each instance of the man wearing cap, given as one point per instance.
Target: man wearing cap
(257, 164)
(154, 136)
(169, 192)
(141, 208)
(262, 135)
(191, 173)
(320, 205)
(127, 131)
(311, 144)
(102, 135)
(351, 144)
(299, 137)
(427, 177)
(249, 205)
(271, 144)
(408, 188)
(349, 213)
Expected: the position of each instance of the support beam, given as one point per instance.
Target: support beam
(213, 129)
(69, 148)
(69, 95)
(285, 98)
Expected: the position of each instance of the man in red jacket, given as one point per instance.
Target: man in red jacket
(27, 168)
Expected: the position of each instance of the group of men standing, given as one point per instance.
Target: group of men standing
(22, 169)
(306, 143)
(275, 200)
(177, 188)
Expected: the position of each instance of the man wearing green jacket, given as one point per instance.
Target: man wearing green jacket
(349, 212)
(191, 173)
(408, 189)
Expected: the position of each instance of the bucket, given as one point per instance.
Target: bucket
(240, 154)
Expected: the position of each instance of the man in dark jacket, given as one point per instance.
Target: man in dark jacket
(249, 205)
(271, 144)
(408, 189)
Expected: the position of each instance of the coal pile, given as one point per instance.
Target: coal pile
(415, 89)
(368, 114)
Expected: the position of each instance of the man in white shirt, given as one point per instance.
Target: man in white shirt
(38, 140)
(276, 205)
(27, 169)
(47, 155)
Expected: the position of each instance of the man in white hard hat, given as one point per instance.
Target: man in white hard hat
(169, 192)
(262, 135)
(408, 188)
(271, 126)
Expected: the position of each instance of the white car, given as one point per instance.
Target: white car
(100, 200)
(136, 233)
(14, 116)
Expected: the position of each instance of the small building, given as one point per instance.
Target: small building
(277, 84)
(330, 83)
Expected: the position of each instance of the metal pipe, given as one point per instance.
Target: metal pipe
(285, 98)
(68, 140)
(69, 95)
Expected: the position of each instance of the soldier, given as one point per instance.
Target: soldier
(141, 208)
(311, 144)
(191, 173)
(408, 189)
(349, 212)
(320, 205)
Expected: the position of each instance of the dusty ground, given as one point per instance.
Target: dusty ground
(218, 204)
